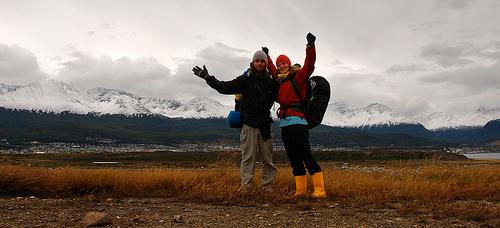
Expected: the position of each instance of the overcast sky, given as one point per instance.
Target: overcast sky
(416, 57)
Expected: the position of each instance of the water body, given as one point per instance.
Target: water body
(484, 156)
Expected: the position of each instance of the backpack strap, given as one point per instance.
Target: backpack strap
(297, 92)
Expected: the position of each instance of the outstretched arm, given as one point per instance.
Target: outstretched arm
(234, 86)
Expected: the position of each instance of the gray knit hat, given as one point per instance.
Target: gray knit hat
(260, 55)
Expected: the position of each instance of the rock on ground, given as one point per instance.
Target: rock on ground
(96, 219)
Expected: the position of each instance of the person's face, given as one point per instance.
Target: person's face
(259, 64)
(283, 68)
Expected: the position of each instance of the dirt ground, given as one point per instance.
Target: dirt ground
(160, 212)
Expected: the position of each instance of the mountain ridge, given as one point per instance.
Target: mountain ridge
(56, 96)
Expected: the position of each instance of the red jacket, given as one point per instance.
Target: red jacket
(286, 93)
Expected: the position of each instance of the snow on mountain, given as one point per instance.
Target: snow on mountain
(48, 96)
(7, 88)
(112, 101)
(54, 96)
(202, 108)
(198, 107)
(339, 114)
(165, 107)
(478, 118)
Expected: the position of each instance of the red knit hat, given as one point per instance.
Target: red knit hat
(283, 59)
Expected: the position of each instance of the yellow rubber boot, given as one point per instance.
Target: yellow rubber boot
(300, 185)
(319, 185)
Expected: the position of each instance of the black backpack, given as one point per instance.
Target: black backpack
(318, 96)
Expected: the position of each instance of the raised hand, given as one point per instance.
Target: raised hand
(310, 39)
(265, 50)
(202, 73)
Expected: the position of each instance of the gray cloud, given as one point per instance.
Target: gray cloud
(414, 107)
(461, 54)
(110, 30)
(144, 76)
(493, 55)
(490, 51)
(428, 25)
(476, 79)
(452, 4)
(147, 77)
(108, 25)
(416, 95)
(18, 65)
(442, 50)
(401, 94)
(446, 55)
(405, 68)
(222, 61)
(363, 89)
(225, 59)
(336, 62)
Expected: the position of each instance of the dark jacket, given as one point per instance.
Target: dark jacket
(258, 91)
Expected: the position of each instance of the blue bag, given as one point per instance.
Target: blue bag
(234, 119)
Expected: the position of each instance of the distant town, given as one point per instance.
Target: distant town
(111, 146)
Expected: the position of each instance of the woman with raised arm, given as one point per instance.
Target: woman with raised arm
(294, 130)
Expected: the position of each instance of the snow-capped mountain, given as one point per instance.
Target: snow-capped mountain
(339, 114)
(478, 118)
(113, 101)
(54, 96)
(48, 96)
(7, 88)
(196, 108)
(164, 107)
(203, 108)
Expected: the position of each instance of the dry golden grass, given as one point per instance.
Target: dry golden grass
(468, 191)
(430, 183)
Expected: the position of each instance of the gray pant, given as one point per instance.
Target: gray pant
(251, 144)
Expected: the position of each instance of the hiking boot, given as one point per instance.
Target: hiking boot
(319, 185)
(300, 185)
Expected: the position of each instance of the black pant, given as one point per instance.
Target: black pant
(296, 140)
